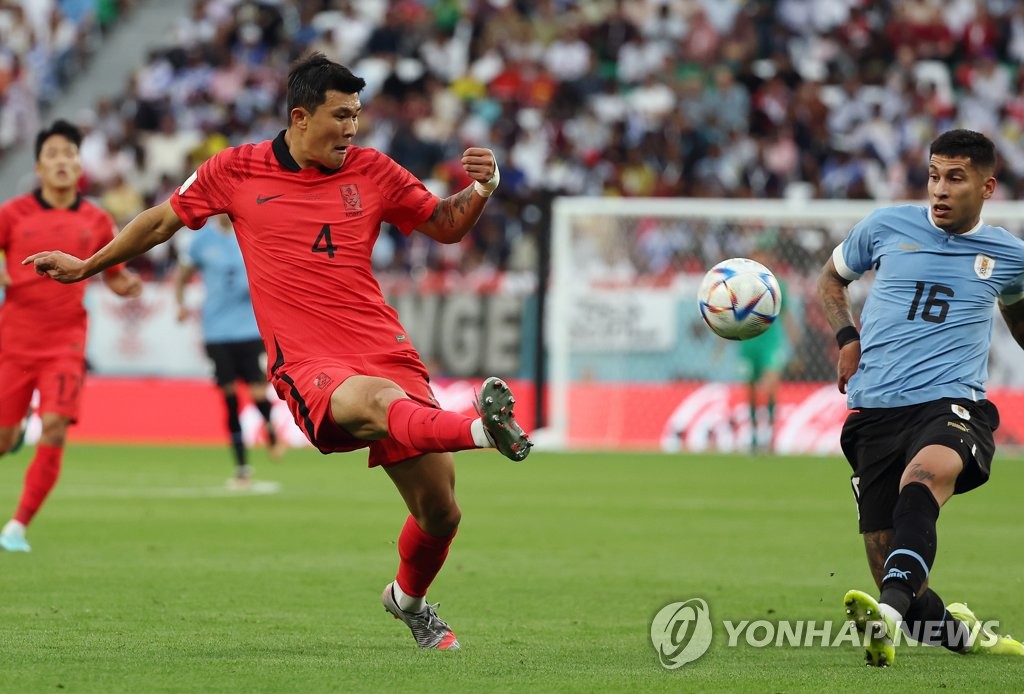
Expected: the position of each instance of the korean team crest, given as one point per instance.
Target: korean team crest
(984, 266)
(350, 199)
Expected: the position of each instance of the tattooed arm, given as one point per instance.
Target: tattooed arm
(455, 215)
(1014, 317)
(835, 299)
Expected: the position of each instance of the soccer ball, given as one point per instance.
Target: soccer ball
(739, 298)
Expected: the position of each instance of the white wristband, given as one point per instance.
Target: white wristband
(485, 189)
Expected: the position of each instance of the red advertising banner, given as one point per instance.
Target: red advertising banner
(716, 417)
(169, 411)
(684, 416)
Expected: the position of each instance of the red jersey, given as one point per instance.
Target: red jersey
(39, 316)
(306, 237)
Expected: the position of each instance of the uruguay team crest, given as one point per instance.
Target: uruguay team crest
(960, 411)
(984, 266)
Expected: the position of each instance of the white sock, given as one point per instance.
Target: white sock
(15, 527)
(408, 603)
(891, 612)
(480, 437)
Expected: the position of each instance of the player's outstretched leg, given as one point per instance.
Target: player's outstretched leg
(983, 640)
(876, 629)
(495, 406)
(429, 630)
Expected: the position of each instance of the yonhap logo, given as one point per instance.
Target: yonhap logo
(681, 632)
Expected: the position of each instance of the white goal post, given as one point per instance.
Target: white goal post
(621, 311)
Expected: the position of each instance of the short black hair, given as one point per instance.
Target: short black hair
(966, 143)
(312, 77)
(62, 128)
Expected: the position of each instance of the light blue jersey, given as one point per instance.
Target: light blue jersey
(227, 309)
(926, 326)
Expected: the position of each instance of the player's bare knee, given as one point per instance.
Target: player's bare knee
(437, 513)
(360, 406)
(441, 521)
(54, 431)
(382, 398)
(454, 517)
(56, 440)
(937, 468)
(376, 411)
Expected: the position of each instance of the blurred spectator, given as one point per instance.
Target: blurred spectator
(168, 149)
(19, 107)
(980, 36)
(569, 58)
(702, 39)
(827, 98)
(342, 33)
(122, 199)
(43, 46)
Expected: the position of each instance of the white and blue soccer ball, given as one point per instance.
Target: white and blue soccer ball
(739, 298)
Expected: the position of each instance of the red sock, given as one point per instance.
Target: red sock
(429, 429)
(421, 557)
(40, 478)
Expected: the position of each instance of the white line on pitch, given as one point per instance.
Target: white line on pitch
(257, 488)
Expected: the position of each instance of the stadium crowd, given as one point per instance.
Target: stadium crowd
(813, 98)
(691, 98)
(43, 45)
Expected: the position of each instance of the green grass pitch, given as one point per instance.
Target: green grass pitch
(145, 578)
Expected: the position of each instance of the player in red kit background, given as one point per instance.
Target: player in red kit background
(307, 208)
(43, 324)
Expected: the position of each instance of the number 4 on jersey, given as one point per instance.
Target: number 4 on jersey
(324, 238)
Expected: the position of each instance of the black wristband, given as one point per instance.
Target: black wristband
(846, 335)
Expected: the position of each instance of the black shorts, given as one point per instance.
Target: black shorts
(880, 442)
(236, 360)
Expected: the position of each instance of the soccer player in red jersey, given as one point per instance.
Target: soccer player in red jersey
(307, 208)
(42, 324)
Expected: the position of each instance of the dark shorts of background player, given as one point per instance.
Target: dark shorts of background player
(236, 360)
(880, 442)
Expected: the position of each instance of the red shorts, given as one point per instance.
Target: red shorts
(59, 380)
(307, 387)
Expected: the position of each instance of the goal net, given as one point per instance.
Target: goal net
(633, 366)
